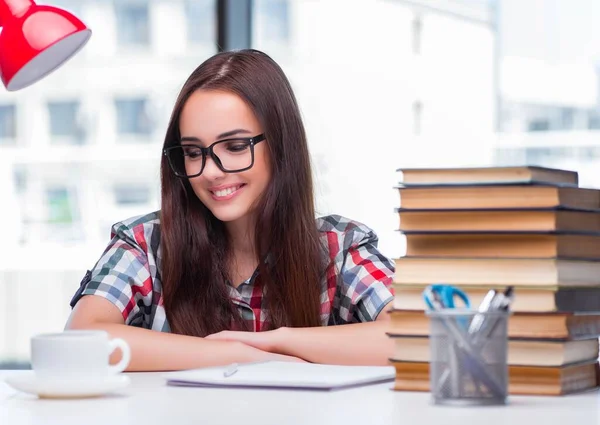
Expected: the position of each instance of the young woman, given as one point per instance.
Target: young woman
(235, 267)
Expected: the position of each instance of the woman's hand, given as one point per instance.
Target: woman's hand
(284, 358)
(266, 341)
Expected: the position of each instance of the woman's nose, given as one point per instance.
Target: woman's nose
(211, 169)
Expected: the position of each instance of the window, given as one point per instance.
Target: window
(416, 32)
(567, 116)
(508, 156)
(133, 27)
(8, 123)
(594, 120)
(63, 222)
(132, 117)
(131, 195)
(59, 206)
(588, 153)
(272, 21)
(201, 17)
(538, 125)
(63, 121)
(538, 156)
(20, 178)
(545, 155)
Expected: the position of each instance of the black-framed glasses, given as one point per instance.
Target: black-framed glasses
(230, 155)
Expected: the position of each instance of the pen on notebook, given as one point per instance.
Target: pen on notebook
(231, 370)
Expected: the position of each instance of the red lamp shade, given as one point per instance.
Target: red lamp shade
(36, 40)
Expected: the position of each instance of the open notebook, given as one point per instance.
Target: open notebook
(285, 375)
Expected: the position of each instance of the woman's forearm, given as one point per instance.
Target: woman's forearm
(159, 351)
(353, 344)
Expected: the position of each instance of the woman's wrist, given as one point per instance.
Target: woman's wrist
(279, 340)
(245, 353)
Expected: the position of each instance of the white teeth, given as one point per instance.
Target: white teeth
(225, 192)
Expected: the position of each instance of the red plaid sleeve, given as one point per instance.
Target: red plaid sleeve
(362, 274)
(123, 273)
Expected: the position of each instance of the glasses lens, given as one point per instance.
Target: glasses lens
(234, 154)
(185, 160)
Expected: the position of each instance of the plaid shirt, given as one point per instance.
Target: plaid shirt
(128, 275)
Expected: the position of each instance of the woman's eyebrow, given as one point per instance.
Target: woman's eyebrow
(220, 136)
(190, 139)
(233, 133)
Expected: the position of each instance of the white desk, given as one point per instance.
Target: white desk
(149, 401)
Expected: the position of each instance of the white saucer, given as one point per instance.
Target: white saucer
(73, 388)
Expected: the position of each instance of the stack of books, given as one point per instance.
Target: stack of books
(487, 228)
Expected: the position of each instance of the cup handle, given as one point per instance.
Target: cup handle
(126, 354)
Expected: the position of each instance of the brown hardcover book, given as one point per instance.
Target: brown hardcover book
(498, 271)
(535, 300)
(558, 326)
(520, 352)
(498, 220)
(516, 174)
(522, 380)
(498, 196)
(502, 244)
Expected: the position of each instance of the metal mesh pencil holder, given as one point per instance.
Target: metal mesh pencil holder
(468, 357)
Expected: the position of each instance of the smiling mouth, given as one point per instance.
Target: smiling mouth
(226, 192)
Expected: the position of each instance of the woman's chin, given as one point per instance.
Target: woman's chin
(227, 215)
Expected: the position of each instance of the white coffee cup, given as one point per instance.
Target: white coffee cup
(77, 355)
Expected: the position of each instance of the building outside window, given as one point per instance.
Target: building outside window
(133, 27)
(272, 22)
(593, 120)
(130, 195)
(64, 125)
(59, 205)
(132, 117)
(201, 23)
(539, 124)
(8, 124)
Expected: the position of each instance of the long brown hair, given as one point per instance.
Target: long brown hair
(195, 247)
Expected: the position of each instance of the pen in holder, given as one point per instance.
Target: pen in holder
(468, 367)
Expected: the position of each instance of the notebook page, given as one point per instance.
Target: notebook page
(286, 374)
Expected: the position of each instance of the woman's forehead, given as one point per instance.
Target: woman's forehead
(209, 113)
